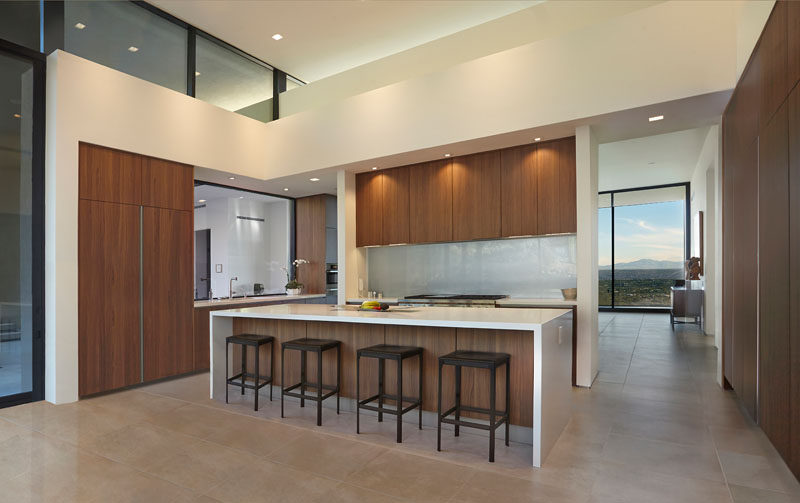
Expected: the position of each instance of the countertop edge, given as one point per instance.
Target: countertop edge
(268, 299)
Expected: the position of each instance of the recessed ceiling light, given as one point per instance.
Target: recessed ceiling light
(201, 200)
(656, 118)
(133, 49)
(314, 179)
(537, 139)
(447, 155)
(241, 197)
(286, 189)
(17, 116)
(80, 26)
(231, 178)
(196, 74)
(374, 168)
(277, 36)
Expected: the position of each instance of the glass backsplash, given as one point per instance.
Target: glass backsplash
(537, 267)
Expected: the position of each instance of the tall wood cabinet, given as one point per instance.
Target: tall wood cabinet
(135, 252)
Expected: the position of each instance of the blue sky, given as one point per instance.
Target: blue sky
(653, 231)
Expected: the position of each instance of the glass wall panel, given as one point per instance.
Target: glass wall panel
(16, 171)
(231, 81)
(128, 38)
(19, 23)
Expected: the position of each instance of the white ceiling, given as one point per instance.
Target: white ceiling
(323, 38)
(212, 192)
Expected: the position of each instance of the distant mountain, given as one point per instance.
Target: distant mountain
(645, 263)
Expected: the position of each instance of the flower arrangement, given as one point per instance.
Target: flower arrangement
(292, 283)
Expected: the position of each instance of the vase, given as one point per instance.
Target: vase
(293, 291)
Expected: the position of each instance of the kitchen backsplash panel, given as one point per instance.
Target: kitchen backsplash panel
(537, 267)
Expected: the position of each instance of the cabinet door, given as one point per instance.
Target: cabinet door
(774, 63)
(519, 207)
(793, 36)
(201, 329)
(108, 289)
(105, 174)
(476, 196)
(310, 218)
(556, 187)
(395, 210)
(773, 282)
(431, 202)
(167, 184)
(167, 282)
(794, 271)
(369, 205)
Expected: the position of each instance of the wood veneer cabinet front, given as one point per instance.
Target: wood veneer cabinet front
(476, 196)
(555, 184)
(310, 227)
(369, 206)
(794, 271)
(519, 194)
(431, 202)
(395, 192)
(167, 184)
(106, 174)
(168, 299)
(108, 286)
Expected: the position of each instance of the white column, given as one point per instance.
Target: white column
(586, 151)
(352, 260)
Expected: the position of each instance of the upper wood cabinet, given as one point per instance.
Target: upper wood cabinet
(555, 187)
(369, 205)
(476, 196)
(519, 199)
(167, 184)
(774, 74)
(106, 174)
(793, 49)
(431, 204)
(395, 205)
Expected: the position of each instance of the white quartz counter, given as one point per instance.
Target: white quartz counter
(458, 317)
(243, 301)
(521, 302)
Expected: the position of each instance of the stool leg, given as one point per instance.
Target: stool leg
(508, 406)
(492, 405)
(302, 378)
(338, 376)
(283, 367)
(358, 394)
(319, 388)
(255, 384)
(271, 368)
(381, 371)
(244, 364)
(420, 391)
(439, 412)
(458, 398)
(226, 373)
(400, 401)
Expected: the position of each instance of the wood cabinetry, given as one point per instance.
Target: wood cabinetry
(395, 206)
(134, 250)
(108, 289)
(310, 217)
(555, 187)
(793, 113)
(369, 205)
(431, 202)
(774, 63)
(476, 196)
(167, 286)
(519, 196)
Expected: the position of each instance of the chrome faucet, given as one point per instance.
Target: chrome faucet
(230, 290)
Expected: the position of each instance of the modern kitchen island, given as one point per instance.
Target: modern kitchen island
(538, 340)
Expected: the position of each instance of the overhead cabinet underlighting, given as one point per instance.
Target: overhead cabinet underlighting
(314, 179)
(133, 49)
(656, 118)
(80, 26)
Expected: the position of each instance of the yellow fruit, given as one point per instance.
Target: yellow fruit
(370, 304)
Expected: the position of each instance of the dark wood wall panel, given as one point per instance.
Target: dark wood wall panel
(476, 196)
(568, 203)
(774, 63)
(369, 209)
(167, 244)
(106, 174)
(431, 207)
(395, 210)
(794, 265)
(773, 291)
(728, 204)
(519, 199)
(167, 184)
(108, 289)
(793, 38)
(310, 242)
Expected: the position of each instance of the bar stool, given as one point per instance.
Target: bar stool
(255, 341)
(385, 352)
(318, 346)
(481, 360)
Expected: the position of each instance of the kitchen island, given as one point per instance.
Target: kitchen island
(538, 340)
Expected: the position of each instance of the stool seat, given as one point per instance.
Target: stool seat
(249, 339)
(478, 359)
(311, 344)
(389, 352)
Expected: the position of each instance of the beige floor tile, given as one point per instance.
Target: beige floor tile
(347, 493)
(742, 440)
(664, 457)
(326, 455)
(195, 420)
(487, 486)
(135, 405)
(759, 472)
(29, 451)
(142, 446)
(689, 433)
(257, 436)
(411, 477)
(272, 482)
(750, 495)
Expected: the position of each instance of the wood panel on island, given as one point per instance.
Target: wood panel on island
(519, 191)
(134, 251)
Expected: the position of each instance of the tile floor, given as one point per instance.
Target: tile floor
(654, 428)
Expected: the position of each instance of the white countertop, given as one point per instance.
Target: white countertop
(388, 300)
(457, 317)
(255, 300)
(536, 302)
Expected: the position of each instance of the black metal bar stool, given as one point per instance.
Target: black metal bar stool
(385, 352)
(481, 360)
(240, 379)
(318, 346)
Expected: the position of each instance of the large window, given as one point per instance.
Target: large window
(233, 81)
(642, 245)
(128, 38)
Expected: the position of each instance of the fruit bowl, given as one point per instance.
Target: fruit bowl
(374, 306)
